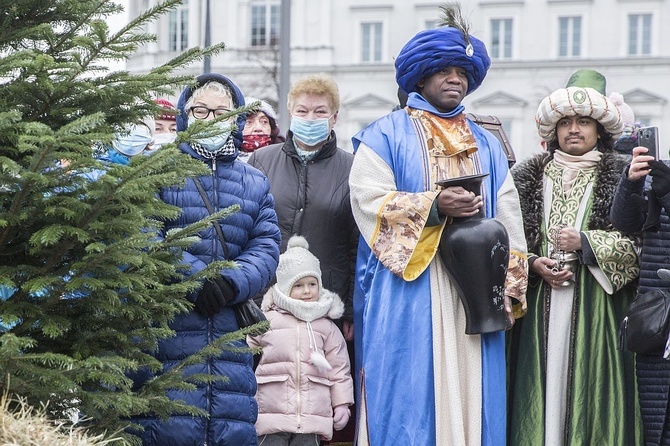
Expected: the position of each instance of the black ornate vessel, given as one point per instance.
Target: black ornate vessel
(475, 253)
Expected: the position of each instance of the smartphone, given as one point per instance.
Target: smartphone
(648, 137)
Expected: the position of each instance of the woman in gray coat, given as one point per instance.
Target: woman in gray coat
(309, 180)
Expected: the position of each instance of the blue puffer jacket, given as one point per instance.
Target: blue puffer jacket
(631, 213)
(252, 239)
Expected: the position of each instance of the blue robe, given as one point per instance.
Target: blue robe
(393, 315)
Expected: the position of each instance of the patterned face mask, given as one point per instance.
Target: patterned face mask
(255, 141)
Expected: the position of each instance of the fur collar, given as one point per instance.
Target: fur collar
(329, 305)
(528, 176)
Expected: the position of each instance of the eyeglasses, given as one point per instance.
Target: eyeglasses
(200, 112)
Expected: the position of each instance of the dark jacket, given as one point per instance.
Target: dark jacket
(633, 212)
(312, 200)
(252, 239)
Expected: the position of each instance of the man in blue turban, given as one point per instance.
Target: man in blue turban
(422, 380)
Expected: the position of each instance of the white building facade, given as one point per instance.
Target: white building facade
(535, 45)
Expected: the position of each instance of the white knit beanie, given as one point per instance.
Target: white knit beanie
(294, 264)
(264, 107)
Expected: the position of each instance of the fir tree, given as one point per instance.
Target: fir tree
(88, 283)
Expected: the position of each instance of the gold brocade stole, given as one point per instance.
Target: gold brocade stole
(450, 143)
(401, 240)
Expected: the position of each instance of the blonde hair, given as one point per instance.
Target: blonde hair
(213, 87)
(318, 85)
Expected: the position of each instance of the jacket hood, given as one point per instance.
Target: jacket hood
(238, 101)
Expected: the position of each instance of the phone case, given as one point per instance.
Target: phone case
(648, 137)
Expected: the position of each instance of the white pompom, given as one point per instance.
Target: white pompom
(320, 362)
(617, 98)
(297, 241)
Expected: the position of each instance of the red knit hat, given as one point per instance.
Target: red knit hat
(169, 112)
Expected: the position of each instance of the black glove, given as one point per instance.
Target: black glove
(213, 296)
(660, 174)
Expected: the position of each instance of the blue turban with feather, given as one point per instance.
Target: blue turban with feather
(433, 50)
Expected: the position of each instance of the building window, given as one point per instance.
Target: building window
(265, 16)
(371, 42)
(639, 34)
(570, 36)
(178, 27)
(431, 24)
(501, 38)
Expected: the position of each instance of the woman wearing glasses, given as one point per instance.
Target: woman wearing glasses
(250, 239)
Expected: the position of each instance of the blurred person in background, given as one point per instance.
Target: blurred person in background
(166, 124)
(642, 207)
(628, 139)
(166, 120)
(135, 140)
(260, 129)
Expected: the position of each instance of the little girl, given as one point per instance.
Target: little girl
(304, 381)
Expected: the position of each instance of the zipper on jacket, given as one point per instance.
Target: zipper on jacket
(210, 328)
(302, 199)
(215, 206)
(622, 333)
(297, 376)
(210, 391)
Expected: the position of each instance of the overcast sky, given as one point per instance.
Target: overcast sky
(115, 23)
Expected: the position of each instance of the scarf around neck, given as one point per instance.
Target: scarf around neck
(448, 136)
(573, 164)
(227, 149)
(305, 311)
(415, 100)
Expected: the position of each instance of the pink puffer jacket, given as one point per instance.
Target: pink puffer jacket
(295, 395)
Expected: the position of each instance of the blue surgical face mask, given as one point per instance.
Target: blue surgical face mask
(160, 139)
(133, 143)
(310, 131)
(214, 143)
